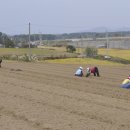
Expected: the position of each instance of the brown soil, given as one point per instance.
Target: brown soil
(43, 96)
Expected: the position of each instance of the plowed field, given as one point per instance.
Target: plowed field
(45, 96)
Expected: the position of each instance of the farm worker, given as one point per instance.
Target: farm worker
(0, 62)
(93, 70)
(88, 72)
(126, 83)
(79, 72)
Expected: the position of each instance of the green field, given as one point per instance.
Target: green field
(125, 54)
(37, 51)
(57, 51)
(82, 61)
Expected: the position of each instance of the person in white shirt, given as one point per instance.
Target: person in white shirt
(79, 72)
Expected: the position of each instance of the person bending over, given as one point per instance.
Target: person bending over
(126, 83)
(79, 72)
(93, 70)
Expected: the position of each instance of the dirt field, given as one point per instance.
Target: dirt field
(43, 96)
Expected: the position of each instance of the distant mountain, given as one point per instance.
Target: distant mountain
(104, 29)
(98, 29)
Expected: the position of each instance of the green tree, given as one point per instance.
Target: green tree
(70, 48)
(6, 41)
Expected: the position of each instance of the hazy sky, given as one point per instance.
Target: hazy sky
(62, 16)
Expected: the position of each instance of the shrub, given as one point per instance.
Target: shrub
(91, 51)
(70, 48)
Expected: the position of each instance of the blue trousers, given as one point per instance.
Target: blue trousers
(127, 86)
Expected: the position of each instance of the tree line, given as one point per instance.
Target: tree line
(12, 41)
(78, 35)
(5, 41)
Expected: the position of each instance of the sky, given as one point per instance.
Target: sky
(63, 16)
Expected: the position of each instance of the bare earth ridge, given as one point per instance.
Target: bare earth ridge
(46, 96)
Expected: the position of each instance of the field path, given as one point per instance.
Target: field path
(46, 96)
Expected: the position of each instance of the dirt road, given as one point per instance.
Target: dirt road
(43, 96)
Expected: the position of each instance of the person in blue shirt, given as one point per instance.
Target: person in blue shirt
(79, 72)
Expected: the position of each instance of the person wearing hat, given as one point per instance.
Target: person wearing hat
(79, 72)
(88, 72)
(93, 70)
(126, 83)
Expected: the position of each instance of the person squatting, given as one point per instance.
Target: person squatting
(126, 83)
(93, 70)
(79, 72)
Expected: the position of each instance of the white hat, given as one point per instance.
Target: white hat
(81, 67)
(88, 68)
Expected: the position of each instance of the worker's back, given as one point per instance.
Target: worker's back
(0, 62)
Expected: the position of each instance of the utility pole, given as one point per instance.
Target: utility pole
(29, 43)
(40, 38)
(107, 43)
(4, 41)
(81, 44)
(29, 35)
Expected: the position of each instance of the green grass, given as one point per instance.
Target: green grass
(124, 54)
(37, 51)
(82, 61)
